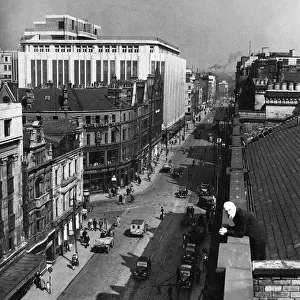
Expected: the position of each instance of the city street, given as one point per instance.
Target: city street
(108, 276)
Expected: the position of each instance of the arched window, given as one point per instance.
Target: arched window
(39, 190)
(6, 99)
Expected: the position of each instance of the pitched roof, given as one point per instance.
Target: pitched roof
(59, 127)
(274, 168)
(50, 99)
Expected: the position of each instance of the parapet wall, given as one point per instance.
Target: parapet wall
(234, 254)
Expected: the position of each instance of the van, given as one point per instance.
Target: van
(138, 227)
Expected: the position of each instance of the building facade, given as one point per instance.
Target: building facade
(11, 149)
(122, 125)
(52, 186)
(8, 66)
(57, 51)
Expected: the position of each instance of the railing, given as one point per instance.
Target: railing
(65, 182)
(40, 201)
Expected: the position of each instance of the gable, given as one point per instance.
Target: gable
(6, 95)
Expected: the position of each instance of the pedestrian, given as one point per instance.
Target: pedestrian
(89, 224)
(84, 234)
(118, 221)
(127, 190)
(100, 224)
(192, 211)
(95, 224)
(105, 222)
(205, 259)
(139, 180)
(120, 198)
(161, 217)
(131, 189)
(38, 279)
(88, 241)
(245, 224)
(193, 162)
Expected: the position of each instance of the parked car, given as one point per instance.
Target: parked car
(186, 276)
(166, 168)
(182, 192)
(142, 268)
(190, 255)
(204, 189)
(138, 227)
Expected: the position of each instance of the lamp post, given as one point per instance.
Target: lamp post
(74, 220)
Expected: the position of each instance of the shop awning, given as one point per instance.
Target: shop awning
(13, 278)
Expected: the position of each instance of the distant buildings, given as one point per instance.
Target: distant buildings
(223, 88)
(267, 83)
(8, 66)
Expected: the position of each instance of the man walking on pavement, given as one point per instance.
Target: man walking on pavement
(193, 162)
(118, 221)
(100, 224)
(161, 217)
(94, 224)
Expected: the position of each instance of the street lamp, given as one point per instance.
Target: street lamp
(74, 220)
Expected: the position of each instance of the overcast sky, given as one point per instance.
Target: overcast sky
(207, 32)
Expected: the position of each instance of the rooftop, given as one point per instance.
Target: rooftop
(274, 169)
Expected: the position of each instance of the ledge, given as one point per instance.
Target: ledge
(269, 268)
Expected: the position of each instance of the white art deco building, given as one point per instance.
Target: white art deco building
(66, 50)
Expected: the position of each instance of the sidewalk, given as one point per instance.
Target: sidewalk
(62, 275)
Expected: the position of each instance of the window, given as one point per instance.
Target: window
(113, 136)
(76, 166)
(88, 120)
(113, 49)
(62, 49)
(35, 49)
(7, 125)
(56, 48)
(6, 58)
(78, 50)
(88, 139)
(97, 119)
(55, 118)
(124, 134)
(100, 49)
(64, 172)
(56, 207)
(11, 243)
(56, 177)
(106, 138)
(10, 207)
(129, 49)
(1, 196)
(61, 24)
(5, 67)
(70, 169)
(90, 49)
(73, 24)
(39, 118)
(124, 48)
(151, 49)
(47, 49)
(124, 117)
(105, 118)
(106, 49)
(39, 187)
(68, 49)
(113, 118)
(136, 49)
(84, 49)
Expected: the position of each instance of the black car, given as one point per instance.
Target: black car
(142, 268)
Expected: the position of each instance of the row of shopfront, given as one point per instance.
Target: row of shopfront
(99, 178)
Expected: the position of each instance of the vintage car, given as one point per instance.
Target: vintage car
(142, 268)
(186, 276)
(207, 202)
(204, 189)
(190, 255)
(138, 227)
(182, 192)
(103, 244)
(167, 168)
